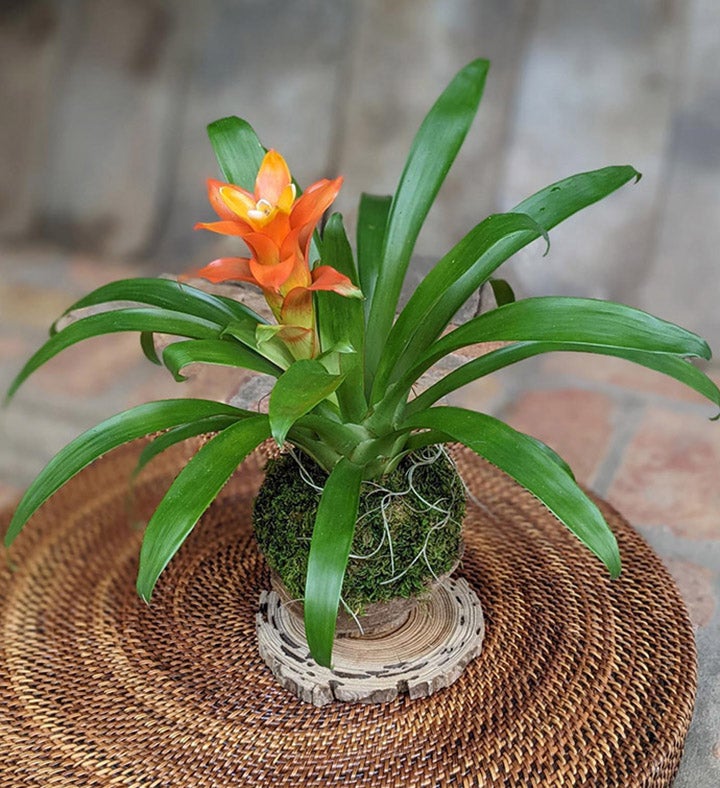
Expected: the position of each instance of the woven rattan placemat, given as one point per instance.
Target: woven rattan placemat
(582, 681)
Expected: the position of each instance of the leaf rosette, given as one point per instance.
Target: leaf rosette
(346, 365)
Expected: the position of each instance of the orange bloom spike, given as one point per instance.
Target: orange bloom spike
(301, 342)
(224, 269)
(287, 198)
(309, 208)
(325, 277)
(274, 194)
(237, 202)
(273, 178)
(314, 201)
(214, 188)
(264, 249)
(299, 275)
(272, 277)
(297, 309)
(225, 228)
(277, 229)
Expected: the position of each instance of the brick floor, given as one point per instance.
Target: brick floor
(616, 372)
(668, 475)
(577, 423)
(696, 585)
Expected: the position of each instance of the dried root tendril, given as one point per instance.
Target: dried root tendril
(443, 507)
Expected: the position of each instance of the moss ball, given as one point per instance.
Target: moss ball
(418, 508)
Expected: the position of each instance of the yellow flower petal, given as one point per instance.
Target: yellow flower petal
(287, 198)
(238, 201)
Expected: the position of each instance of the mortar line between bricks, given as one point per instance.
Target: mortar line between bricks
(627, 417)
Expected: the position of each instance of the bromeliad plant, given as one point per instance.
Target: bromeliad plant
(345, 367)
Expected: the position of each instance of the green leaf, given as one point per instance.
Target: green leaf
(241, 311)
(583, 321)
(341, 320)
(372, 221)
(432, 153)
(446, 288)
(331, 358)
(195, 488)
(303, 386)
(141, 319)
(147, 345)
(109, 434)
(269, 347)
(325, 456)
(166, 294)
(502, 291)
(670, 365)
(420, 440)
(557, 202)
(341, 438)
(432, 437)
(329, 551)
(452, 281)
(237, 150)
(552, 456)
(181, 433)
(215, 351)
(533, 467)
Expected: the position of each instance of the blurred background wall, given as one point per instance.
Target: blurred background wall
(103, 105)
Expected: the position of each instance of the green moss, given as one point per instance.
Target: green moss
(284, 516)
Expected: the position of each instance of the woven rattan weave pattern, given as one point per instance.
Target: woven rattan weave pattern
(582, 681)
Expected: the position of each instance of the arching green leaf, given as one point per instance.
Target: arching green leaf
(195, 488)
(582, 321)
(303, 386)
(178, 434)
(109, 434)
(446, 288)
(329, 551)
(533, 466)
(458, 275)
(215, 351)
(433, 151)
(166, 294)
(117, 320)
(670, 365)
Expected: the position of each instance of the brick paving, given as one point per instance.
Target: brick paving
(642, 441)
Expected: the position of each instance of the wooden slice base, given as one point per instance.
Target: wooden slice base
(428, 652)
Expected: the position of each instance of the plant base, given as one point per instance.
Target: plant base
(428, 651)
(407, 532)
(377, 618)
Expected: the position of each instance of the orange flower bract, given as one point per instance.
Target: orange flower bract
(277, 227)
